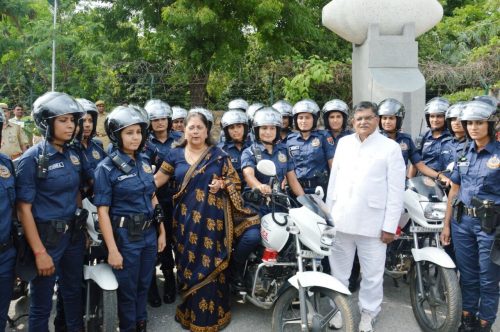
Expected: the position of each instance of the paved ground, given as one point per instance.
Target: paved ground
(396, 315)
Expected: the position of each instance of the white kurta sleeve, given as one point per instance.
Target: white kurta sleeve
(396, 176)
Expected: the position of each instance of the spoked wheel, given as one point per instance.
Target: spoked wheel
(439, 307)
(103, 315)
(322, 305)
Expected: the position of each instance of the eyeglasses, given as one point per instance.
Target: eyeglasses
(366, 118)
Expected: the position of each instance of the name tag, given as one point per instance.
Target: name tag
(463, 164)
(234, 160)
(427, 143)
(126, 176)
(56, 166)
(295, 147)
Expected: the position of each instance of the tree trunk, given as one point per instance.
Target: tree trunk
(198, 89)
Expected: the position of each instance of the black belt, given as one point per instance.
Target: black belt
(60, 226)
(6, 245)
(311, 183)
(127, 222)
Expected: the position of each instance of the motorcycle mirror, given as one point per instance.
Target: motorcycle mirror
(450, 167)
(320, 192)
(266, 167)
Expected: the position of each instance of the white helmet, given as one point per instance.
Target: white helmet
(178, 113)
(238, 105)
(273, 235)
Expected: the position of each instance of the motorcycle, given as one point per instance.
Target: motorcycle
(286, 271)
(417, 256)
(100, 284)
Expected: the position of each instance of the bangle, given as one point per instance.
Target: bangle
(37, 253)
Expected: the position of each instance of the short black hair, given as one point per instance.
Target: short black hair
(366, 105)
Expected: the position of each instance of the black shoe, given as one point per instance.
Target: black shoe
(236, 270)
(469, 324)
(154, 299)
(169, 288)
(141, 326)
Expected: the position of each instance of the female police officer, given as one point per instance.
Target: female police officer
(309, 148)
(7, 251)
(266, 124)
(47, 189)
(161, 140)
(124, 189)
(335, 114)
(235, 126)
(474, 199)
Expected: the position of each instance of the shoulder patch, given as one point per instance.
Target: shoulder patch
(493, 162)
(4, 172)
(146, 168)
(74, 159)
(316, 142)
(282, 157)
(96, 154)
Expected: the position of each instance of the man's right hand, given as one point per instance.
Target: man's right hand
(44, 264)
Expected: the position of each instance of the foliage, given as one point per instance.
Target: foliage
(208, 52)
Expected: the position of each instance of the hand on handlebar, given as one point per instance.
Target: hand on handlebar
(264, 189)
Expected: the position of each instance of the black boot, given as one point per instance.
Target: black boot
(141, 326)
(169, 288)
(154, 299)
(236, 270)
(469, 323)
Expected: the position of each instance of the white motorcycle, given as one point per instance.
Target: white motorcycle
(101, 306)
(434, 288)
(286, 272)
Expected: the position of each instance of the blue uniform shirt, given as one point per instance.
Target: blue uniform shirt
(279, 157)
(408, 148)
(90, 156)
(452, 150)
(125, 194)
(235, 155)
(53, 198)
(478, 174)
(334, 140)
(157, 152)
(161, 148)
(432, 148)
(8, 194)
(310, 156)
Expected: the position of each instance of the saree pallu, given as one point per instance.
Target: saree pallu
(203, 234)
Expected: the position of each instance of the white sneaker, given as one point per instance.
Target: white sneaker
(336, 322)
(366, 323)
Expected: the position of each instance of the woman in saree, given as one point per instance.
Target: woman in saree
(207, 208)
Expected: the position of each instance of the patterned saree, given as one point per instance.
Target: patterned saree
(204, 227)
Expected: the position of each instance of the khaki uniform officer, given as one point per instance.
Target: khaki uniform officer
(14, 141)
(101, 117)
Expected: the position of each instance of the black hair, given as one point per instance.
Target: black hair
(366, 105)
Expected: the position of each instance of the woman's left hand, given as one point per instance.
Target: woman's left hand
(162, 242)
(216, 185)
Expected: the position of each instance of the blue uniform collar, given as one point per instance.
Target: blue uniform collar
(490, 147)
(51, 150)
(126, 158)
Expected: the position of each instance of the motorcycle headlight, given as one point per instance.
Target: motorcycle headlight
(434, 211)
(328, 236)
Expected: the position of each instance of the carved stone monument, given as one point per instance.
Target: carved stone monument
(385, 53)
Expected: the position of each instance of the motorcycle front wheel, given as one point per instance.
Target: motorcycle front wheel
(438, 308)
(322, 305)
(103, 315)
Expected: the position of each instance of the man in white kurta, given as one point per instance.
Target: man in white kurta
(365, 194)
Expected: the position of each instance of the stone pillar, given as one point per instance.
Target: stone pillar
(387, 66)
(385, 53)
